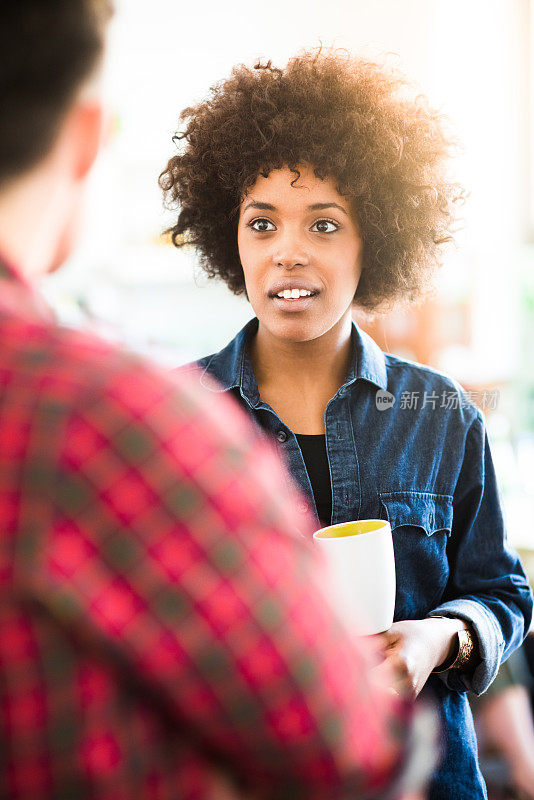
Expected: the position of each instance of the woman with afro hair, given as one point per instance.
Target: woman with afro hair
(312, 189)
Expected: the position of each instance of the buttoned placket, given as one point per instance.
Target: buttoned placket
(342, 457)
(290, 451)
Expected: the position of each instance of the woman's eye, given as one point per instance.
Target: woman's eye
(262, 225)
(325, 226)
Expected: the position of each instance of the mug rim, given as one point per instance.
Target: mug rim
(384, 523)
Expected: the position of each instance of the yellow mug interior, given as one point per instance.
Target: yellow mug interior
(355, 528)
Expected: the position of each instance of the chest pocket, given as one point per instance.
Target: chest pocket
(421, 523)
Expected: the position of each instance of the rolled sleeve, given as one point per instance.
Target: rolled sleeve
(491, 644)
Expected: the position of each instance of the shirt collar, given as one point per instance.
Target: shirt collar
(20, 292)
(8, 272)
(232, 368)
(371, 362)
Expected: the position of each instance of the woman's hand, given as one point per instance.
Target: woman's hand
(413, 648)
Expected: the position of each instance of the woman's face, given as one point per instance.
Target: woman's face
(301, 254)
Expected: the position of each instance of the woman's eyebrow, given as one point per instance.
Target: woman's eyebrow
(323, 206)
(260, 206)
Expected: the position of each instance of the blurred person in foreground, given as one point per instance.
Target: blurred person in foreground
(315, 188)
(162, 629)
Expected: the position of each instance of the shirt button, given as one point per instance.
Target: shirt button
(304, 508)
(281, 436)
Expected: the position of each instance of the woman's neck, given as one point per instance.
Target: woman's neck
(297, 379)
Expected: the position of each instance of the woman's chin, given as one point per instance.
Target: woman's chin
(294, 330)
(302, 327)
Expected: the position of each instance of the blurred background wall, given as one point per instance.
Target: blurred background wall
(473, 58)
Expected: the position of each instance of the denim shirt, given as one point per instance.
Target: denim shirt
(405, 444)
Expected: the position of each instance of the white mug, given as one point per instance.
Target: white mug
(361, 570)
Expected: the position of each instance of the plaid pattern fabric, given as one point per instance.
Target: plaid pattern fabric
(162, 630)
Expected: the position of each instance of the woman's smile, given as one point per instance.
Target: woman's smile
(293, 294)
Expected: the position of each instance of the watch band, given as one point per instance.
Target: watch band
(462, 653)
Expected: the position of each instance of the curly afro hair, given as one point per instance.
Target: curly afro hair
(351, 120)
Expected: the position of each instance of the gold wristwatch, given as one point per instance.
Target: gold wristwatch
(462, 653)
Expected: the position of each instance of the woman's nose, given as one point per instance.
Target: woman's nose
(291, 252)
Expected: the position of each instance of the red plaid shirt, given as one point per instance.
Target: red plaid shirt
(162, 631)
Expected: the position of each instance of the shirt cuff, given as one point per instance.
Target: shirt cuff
(490, 644)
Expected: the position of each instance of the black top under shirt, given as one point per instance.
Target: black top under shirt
(313, 447)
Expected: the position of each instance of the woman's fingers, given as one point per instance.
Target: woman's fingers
(393, 671)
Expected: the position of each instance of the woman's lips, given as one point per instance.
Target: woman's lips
(293, 294)
(294, 304)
